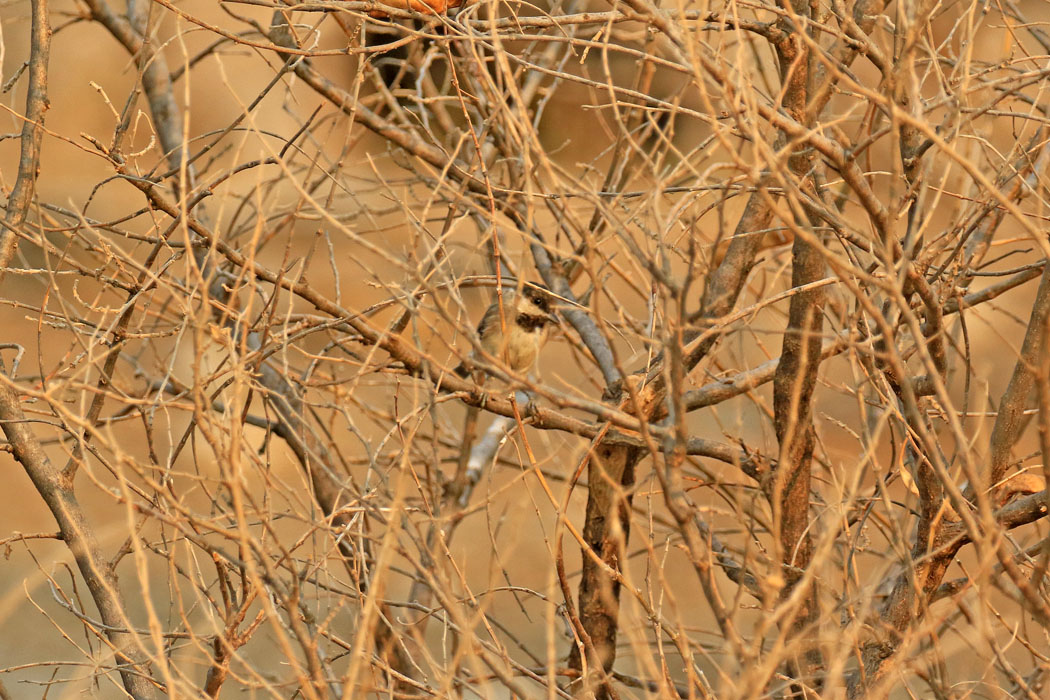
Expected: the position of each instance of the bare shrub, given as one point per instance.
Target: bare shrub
(788, 440)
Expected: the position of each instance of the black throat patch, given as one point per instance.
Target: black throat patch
(530, 322)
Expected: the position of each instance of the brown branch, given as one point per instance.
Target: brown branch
(613, 479)
(605, 531)
(744, 381)
(37, 105)
(1010, 419)
(937, 542)
(54, 489)
(79, 536)
(788, 487)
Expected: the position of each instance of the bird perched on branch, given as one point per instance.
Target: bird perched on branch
(527, 318)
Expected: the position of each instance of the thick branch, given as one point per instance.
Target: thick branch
(1010, 421)
(56, 492)
(79, 536)
(32, 134)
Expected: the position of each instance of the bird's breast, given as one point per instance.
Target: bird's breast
(523, 346)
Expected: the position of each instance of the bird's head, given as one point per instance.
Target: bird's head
(533, 307)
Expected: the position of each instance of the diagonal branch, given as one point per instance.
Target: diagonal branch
(54, 489)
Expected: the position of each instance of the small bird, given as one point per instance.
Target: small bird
(527, 316)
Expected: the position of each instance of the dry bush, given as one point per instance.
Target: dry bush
(789, 439)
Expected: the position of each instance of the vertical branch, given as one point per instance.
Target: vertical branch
(788, 487)
(611, 477)
(793, 387)
(155, 77)
(1010, 419)
(606, 529)
(54, 489)
(79, 536)
(32, 133)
